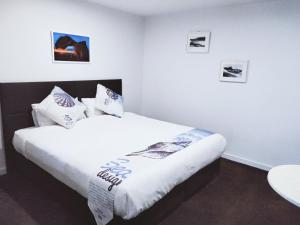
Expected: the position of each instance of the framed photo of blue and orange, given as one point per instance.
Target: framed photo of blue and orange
(70, 48)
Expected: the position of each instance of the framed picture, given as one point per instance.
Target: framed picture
(198, 42)
(234, 71)
(70, 48)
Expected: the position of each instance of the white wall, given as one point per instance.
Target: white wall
(116, 44)
(260, 119)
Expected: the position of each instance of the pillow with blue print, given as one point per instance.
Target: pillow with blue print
(61, 108)
(108, 101)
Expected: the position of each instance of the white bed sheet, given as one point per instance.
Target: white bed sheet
(74, 155)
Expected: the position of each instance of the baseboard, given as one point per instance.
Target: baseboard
(245, 161)
(2, 171)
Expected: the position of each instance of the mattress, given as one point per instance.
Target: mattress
(74, 155)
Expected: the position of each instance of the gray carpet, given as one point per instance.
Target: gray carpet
(239, 196)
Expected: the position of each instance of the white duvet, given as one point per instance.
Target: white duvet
(74, 155)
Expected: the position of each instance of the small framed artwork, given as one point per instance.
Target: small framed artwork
(70, 48)
(198, 42)
(234, 71)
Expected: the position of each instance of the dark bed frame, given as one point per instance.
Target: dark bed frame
(16, 100)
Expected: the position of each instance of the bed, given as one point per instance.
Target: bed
(72, 156)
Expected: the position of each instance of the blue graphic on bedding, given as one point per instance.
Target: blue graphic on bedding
(63, 99)
(118, 167)
(162, 150)
(68, 120)
(112, 96)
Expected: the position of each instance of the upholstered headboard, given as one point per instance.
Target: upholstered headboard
(16, 100)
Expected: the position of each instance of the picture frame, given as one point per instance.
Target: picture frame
(198, 42)
(70, 48)
(234, 71)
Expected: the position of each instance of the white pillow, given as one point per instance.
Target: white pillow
(80, 103)
(61, 108)
(39, 119)
(109, 101)
(33, 114)
(91, 110)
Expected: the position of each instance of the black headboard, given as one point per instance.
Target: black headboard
(16, 100)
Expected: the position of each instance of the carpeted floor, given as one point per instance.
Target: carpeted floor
(239, 196)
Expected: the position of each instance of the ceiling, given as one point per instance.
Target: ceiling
(154, 7)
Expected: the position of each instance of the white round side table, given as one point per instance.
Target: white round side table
(285, 180)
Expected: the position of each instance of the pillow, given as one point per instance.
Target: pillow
(39, 119)
(61, 108)
(109, 101)
(33, 114)
(91, 110)
(80, 103)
